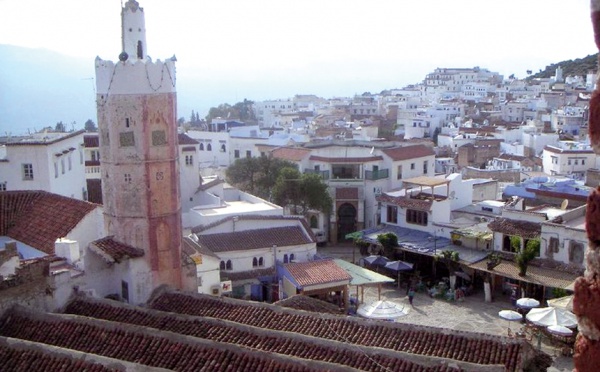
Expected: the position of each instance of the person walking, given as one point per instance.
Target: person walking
(411, 295)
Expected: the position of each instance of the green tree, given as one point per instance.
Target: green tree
(389, 241)
(302, 192)
(256, 176)
(60, 127)
(525, 255)
(90, 126)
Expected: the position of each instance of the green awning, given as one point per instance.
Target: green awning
(354, 235)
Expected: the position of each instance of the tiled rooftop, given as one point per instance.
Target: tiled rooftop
(424, 341)
(38, 218)
(254, 239)
(316, 272)
(525, 229)
(290, 153)
(114, 251)
(406, 202)
(184, 139)
(409, 152)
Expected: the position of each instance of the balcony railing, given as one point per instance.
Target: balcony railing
(377, 174)
(324, 174)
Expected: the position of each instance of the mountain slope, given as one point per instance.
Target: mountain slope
(577, 67)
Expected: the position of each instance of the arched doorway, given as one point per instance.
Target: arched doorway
(346, 218)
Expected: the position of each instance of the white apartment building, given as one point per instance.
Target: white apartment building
(568, 158)
(52, 162)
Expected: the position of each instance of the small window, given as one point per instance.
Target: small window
(261, 262)
(125, 290)
(70, 162)
(292, 257)
(222, 265)
(254, 262)
(127, 177)
(208, 147)
(425, 166)
(27, 172)
(80, 156)
(55, 170)
(3, 186)
(248, 153)
(236, 154)
(286, 259)
(228, 265)
(399, 174)
(189, 160)
(62, 165)
(201, 147)
(127, 123)
(412, 166)
(223, 148)
(392, 214)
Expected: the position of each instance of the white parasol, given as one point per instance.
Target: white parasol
(560, 330)
(382, 310)
(510, 315)
(565, 303)
(549, 316)
(527, 302)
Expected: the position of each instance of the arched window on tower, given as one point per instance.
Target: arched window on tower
(228, 266)
(285, 258)
(140, 50)
(208, 147)
(254, 262)
(292, 257)
(261, 262)
(222, 266)
(201, 146)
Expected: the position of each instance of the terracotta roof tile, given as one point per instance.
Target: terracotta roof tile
(201, 228)
(254, 239)
(346, 159)
(557, 150)
(46, 143)
(184, 139)
(250, 274)
(406, 202)
(290, 153)
(346, 193)
(114, 251)
(457, 345)
(409, 152)
(38, 218)
(316, 272)
(308, 303)
(525, 229)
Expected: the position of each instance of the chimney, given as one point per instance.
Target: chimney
(67, 249)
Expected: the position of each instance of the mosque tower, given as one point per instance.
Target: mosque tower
(137, 111)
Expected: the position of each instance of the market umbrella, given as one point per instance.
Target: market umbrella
(382, 310)
(399, 266)
(510, 315)
(376, 260)
(527, 302)
(560, 330)
(549, 316)
(565, 303)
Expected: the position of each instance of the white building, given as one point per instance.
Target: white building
(53, 162)
(568, 158)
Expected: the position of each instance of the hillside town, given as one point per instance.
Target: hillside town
(134, 247)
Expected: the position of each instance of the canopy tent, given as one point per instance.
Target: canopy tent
(549, 316)
(565, 303)
(386, 310)
(560, 330)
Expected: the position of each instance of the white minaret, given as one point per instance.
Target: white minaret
(133, 30)
(137, 120)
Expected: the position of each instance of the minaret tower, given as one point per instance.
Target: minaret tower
(137, 111)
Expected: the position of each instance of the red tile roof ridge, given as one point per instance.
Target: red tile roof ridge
(48, 357)
(498, 349)
(268, 340)
(112, 250)
(164, 348)
(254, 239)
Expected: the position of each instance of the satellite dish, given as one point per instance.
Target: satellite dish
(564, 204)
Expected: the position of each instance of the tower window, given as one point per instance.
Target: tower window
(140, 51)
(126, 139)
(189, 160)
(127, 122)
(209, 147)
(127, 177)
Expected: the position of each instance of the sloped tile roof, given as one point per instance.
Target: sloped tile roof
(33, 357)
(150, 347)
(91, 140)
(456, 345)
(184, 139)
(406, 202)
(308, 303)
(346, 193)
(525, 229)
(316, 272)
(290, 153)
(409, 152)
(250, 274)
(278, 343)
(112, 250)
(346, 159)
(38, 218)
(254, 239)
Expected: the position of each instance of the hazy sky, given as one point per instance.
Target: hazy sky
(262, 49)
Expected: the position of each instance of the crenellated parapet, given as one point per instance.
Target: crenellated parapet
(134, 76)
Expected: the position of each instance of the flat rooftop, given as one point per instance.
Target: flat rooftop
(236, 207)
